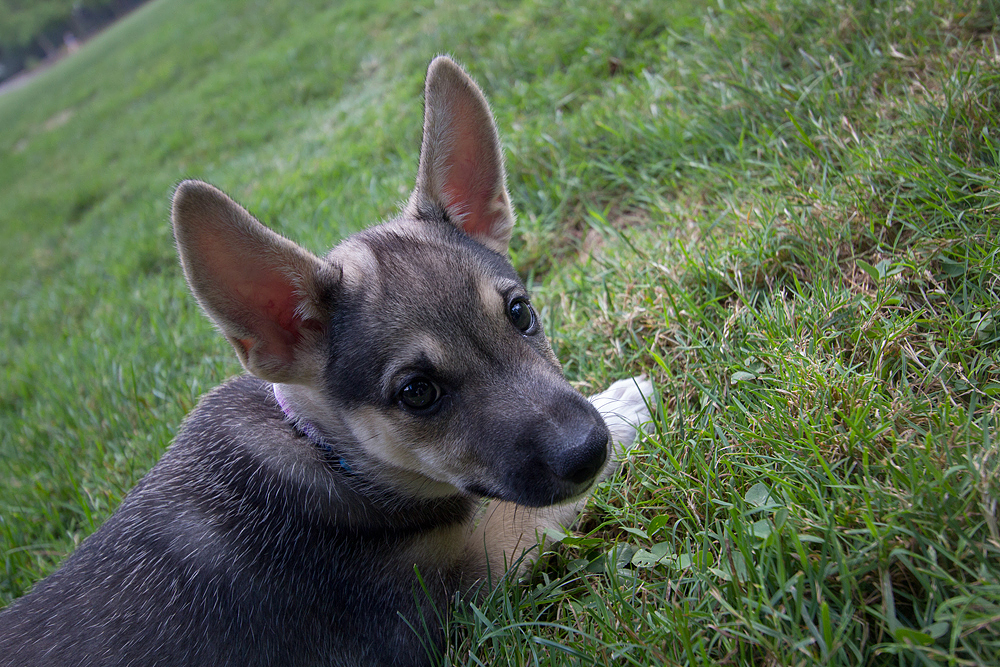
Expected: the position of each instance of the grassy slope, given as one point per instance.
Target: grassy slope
(784, 211)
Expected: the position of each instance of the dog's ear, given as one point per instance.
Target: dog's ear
(461, 164)
(264, 292)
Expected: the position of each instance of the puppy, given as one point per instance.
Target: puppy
(402, 434)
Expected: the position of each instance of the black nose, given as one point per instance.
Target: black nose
(579, 464)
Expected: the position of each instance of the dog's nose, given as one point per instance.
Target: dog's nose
(580, 463)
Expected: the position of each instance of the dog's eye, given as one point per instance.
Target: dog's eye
(419, 394)
(521, 314)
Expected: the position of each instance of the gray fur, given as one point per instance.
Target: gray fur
(285, 524)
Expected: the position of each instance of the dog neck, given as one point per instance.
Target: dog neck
(342, 448)
(309, 430)
(392, 499)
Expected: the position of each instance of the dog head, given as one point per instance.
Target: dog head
(412, 345)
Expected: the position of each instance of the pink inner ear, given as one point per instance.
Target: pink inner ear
(471, 181)
(278, 324)
(261, 299)
(276, 302)
(272, 302)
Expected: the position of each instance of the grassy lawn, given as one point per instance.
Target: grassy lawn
(783, 210)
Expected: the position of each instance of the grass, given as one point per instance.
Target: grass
(783, 211)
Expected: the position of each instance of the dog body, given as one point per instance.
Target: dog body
(393, 385)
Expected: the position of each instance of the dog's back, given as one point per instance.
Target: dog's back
(219, 558)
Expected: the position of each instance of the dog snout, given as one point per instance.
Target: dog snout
(579, 463)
